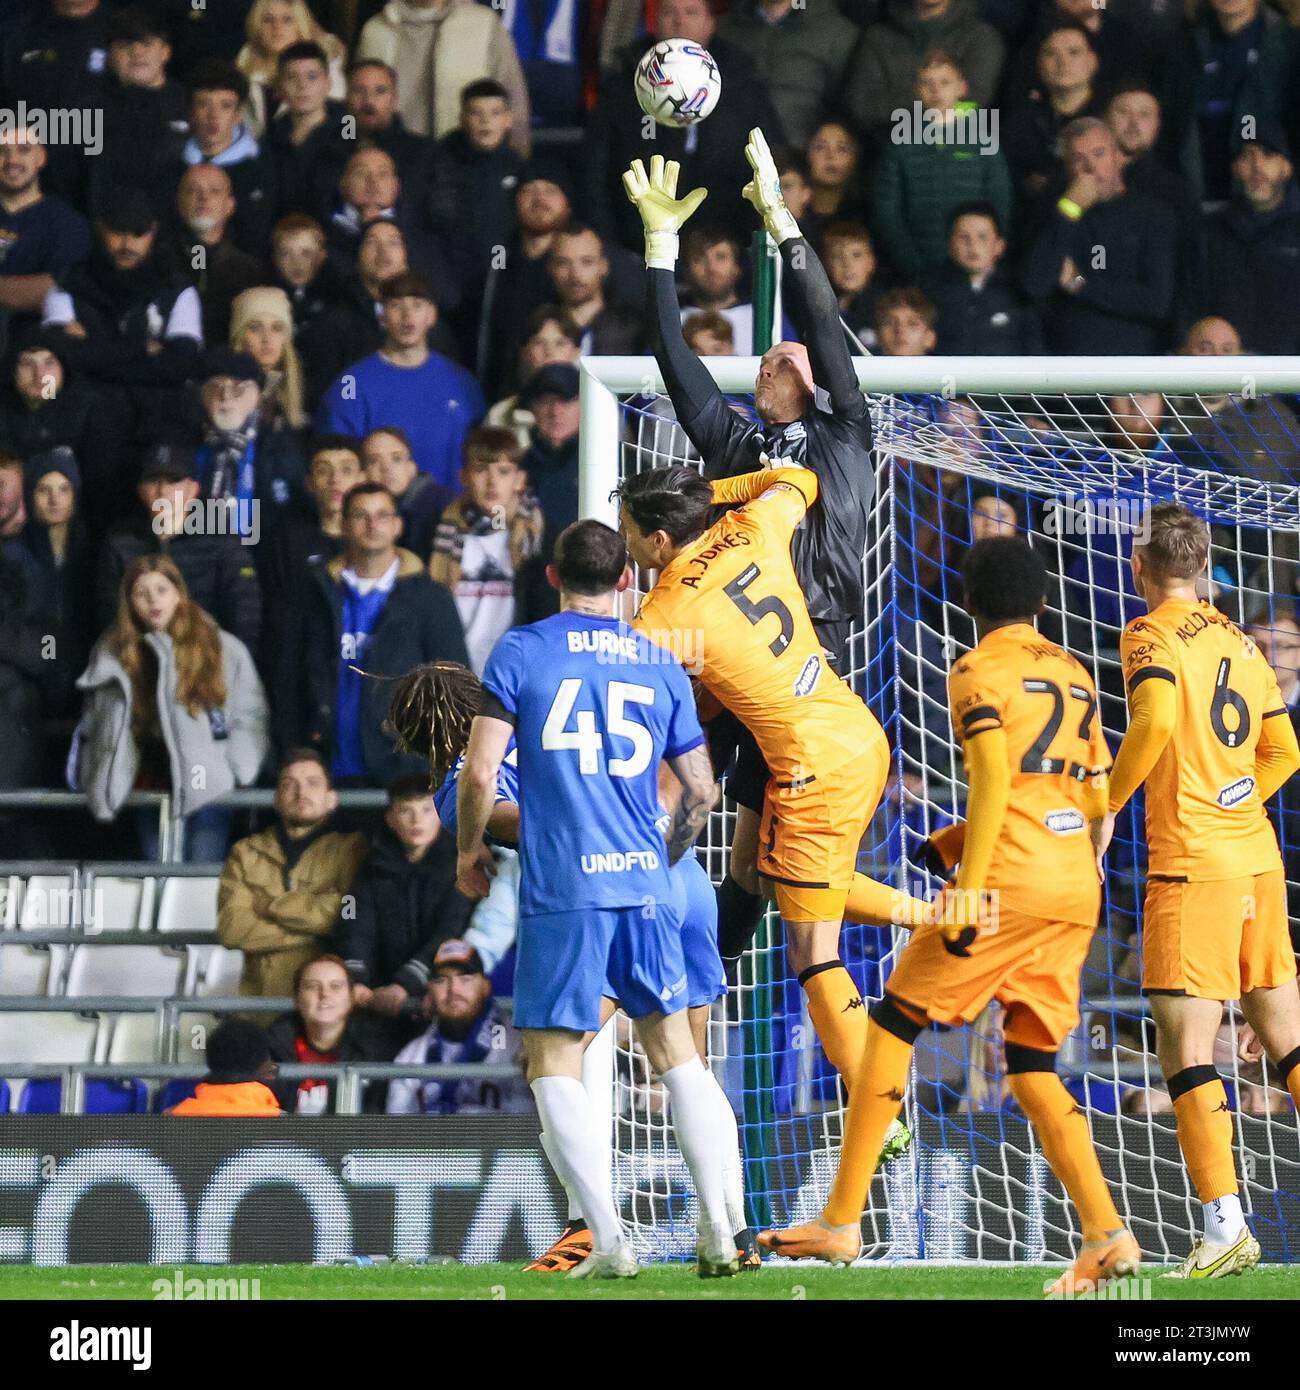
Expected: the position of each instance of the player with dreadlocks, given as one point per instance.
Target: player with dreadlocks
(431, 712)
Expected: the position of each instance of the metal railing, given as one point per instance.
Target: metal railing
(349, 1076)
(169, 825)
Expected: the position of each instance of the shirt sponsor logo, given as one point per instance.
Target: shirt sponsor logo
(809, 676)
(1236, 792)
(619, 861)
(1064, 822)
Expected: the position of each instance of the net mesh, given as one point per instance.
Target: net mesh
(1074, 475)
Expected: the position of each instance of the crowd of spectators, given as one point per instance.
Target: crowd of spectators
(292, 294)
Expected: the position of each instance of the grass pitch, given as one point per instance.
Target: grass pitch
(504, 1282)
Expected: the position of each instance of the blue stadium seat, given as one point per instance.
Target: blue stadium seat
(173, 1092)
(4, 1097)
(103, 1097)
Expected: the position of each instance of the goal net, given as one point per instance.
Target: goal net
(1069, 453)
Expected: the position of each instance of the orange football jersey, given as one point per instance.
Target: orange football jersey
(1205, 819)
(1046, 703)
(730, 608)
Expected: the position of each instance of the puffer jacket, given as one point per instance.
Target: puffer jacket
(211, 753)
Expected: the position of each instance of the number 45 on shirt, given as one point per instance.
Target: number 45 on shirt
(588, 740)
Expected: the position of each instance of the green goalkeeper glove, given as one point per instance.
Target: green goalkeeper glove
(764, 190)
(662, 212)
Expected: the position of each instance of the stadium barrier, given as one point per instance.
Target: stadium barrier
(167, 1191)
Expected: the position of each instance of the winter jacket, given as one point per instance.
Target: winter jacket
(801, 61)
(916, 188)
(25, 676)
(991, 321)
(881, 78)
(401, 913)
(436, 52)
(242, 1099)
(279, 913)
(1195, 63)
(419, 623)
(365, 1039)
(94, 424)
(484, 181)
(217, 569)
(211, 753)
(1251, 273)
(1124, 307)
(60, 595)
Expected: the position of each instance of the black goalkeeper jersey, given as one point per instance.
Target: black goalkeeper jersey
(833, 440)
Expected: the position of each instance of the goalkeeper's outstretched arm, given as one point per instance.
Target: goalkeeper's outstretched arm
(813, 303)
(816, 312)
(701, 410)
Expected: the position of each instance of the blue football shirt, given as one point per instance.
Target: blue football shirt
(507, 786)
(596, 707)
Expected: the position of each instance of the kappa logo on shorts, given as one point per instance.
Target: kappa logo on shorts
(1064, 822)
(1236, 791)
(809, 676)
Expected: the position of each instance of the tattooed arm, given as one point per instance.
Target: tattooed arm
(699, 796)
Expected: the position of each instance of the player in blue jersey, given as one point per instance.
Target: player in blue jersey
(432, 712)
(594, 708)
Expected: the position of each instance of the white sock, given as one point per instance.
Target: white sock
(570, 1128)
(733, 1173)
(1223, 1218)
(695, 1122)
(566, 1182)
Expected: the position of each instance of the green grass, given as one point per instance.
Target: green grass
(501, 1281)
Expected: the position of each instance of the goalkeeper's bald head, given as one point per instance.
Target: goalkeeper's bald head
(1005, 580)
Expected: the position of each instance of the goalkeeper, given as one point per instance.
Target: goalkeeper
(830, 435)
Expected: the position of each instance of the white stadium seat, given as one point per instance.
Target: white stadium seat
(12, 888)
(131, 970)
(188, 904)
(119, 904)
(214, 971)
(27, 1039)
(192, 1034)
(32, 969)
(48, 903)
(135, 1039)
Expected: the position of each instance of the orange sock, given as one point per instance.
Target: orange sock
(1204, 1131)
(838, 1013)
(875, 1098)
(879, 905)
(1067, 1145)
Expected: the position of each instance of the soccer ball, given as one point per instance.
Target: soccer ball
(677, 83)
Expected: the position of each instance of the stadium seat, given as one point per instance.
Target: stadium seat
(4, 1097)
(121, 904)
(48, 902)
(192, 1032)
(173, 1092)
(188, 904)
(135, 1039)
(32, 969)
(213, 971)
(130, 970)
(12, 888)
(29, 1039)
(102, 1097)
